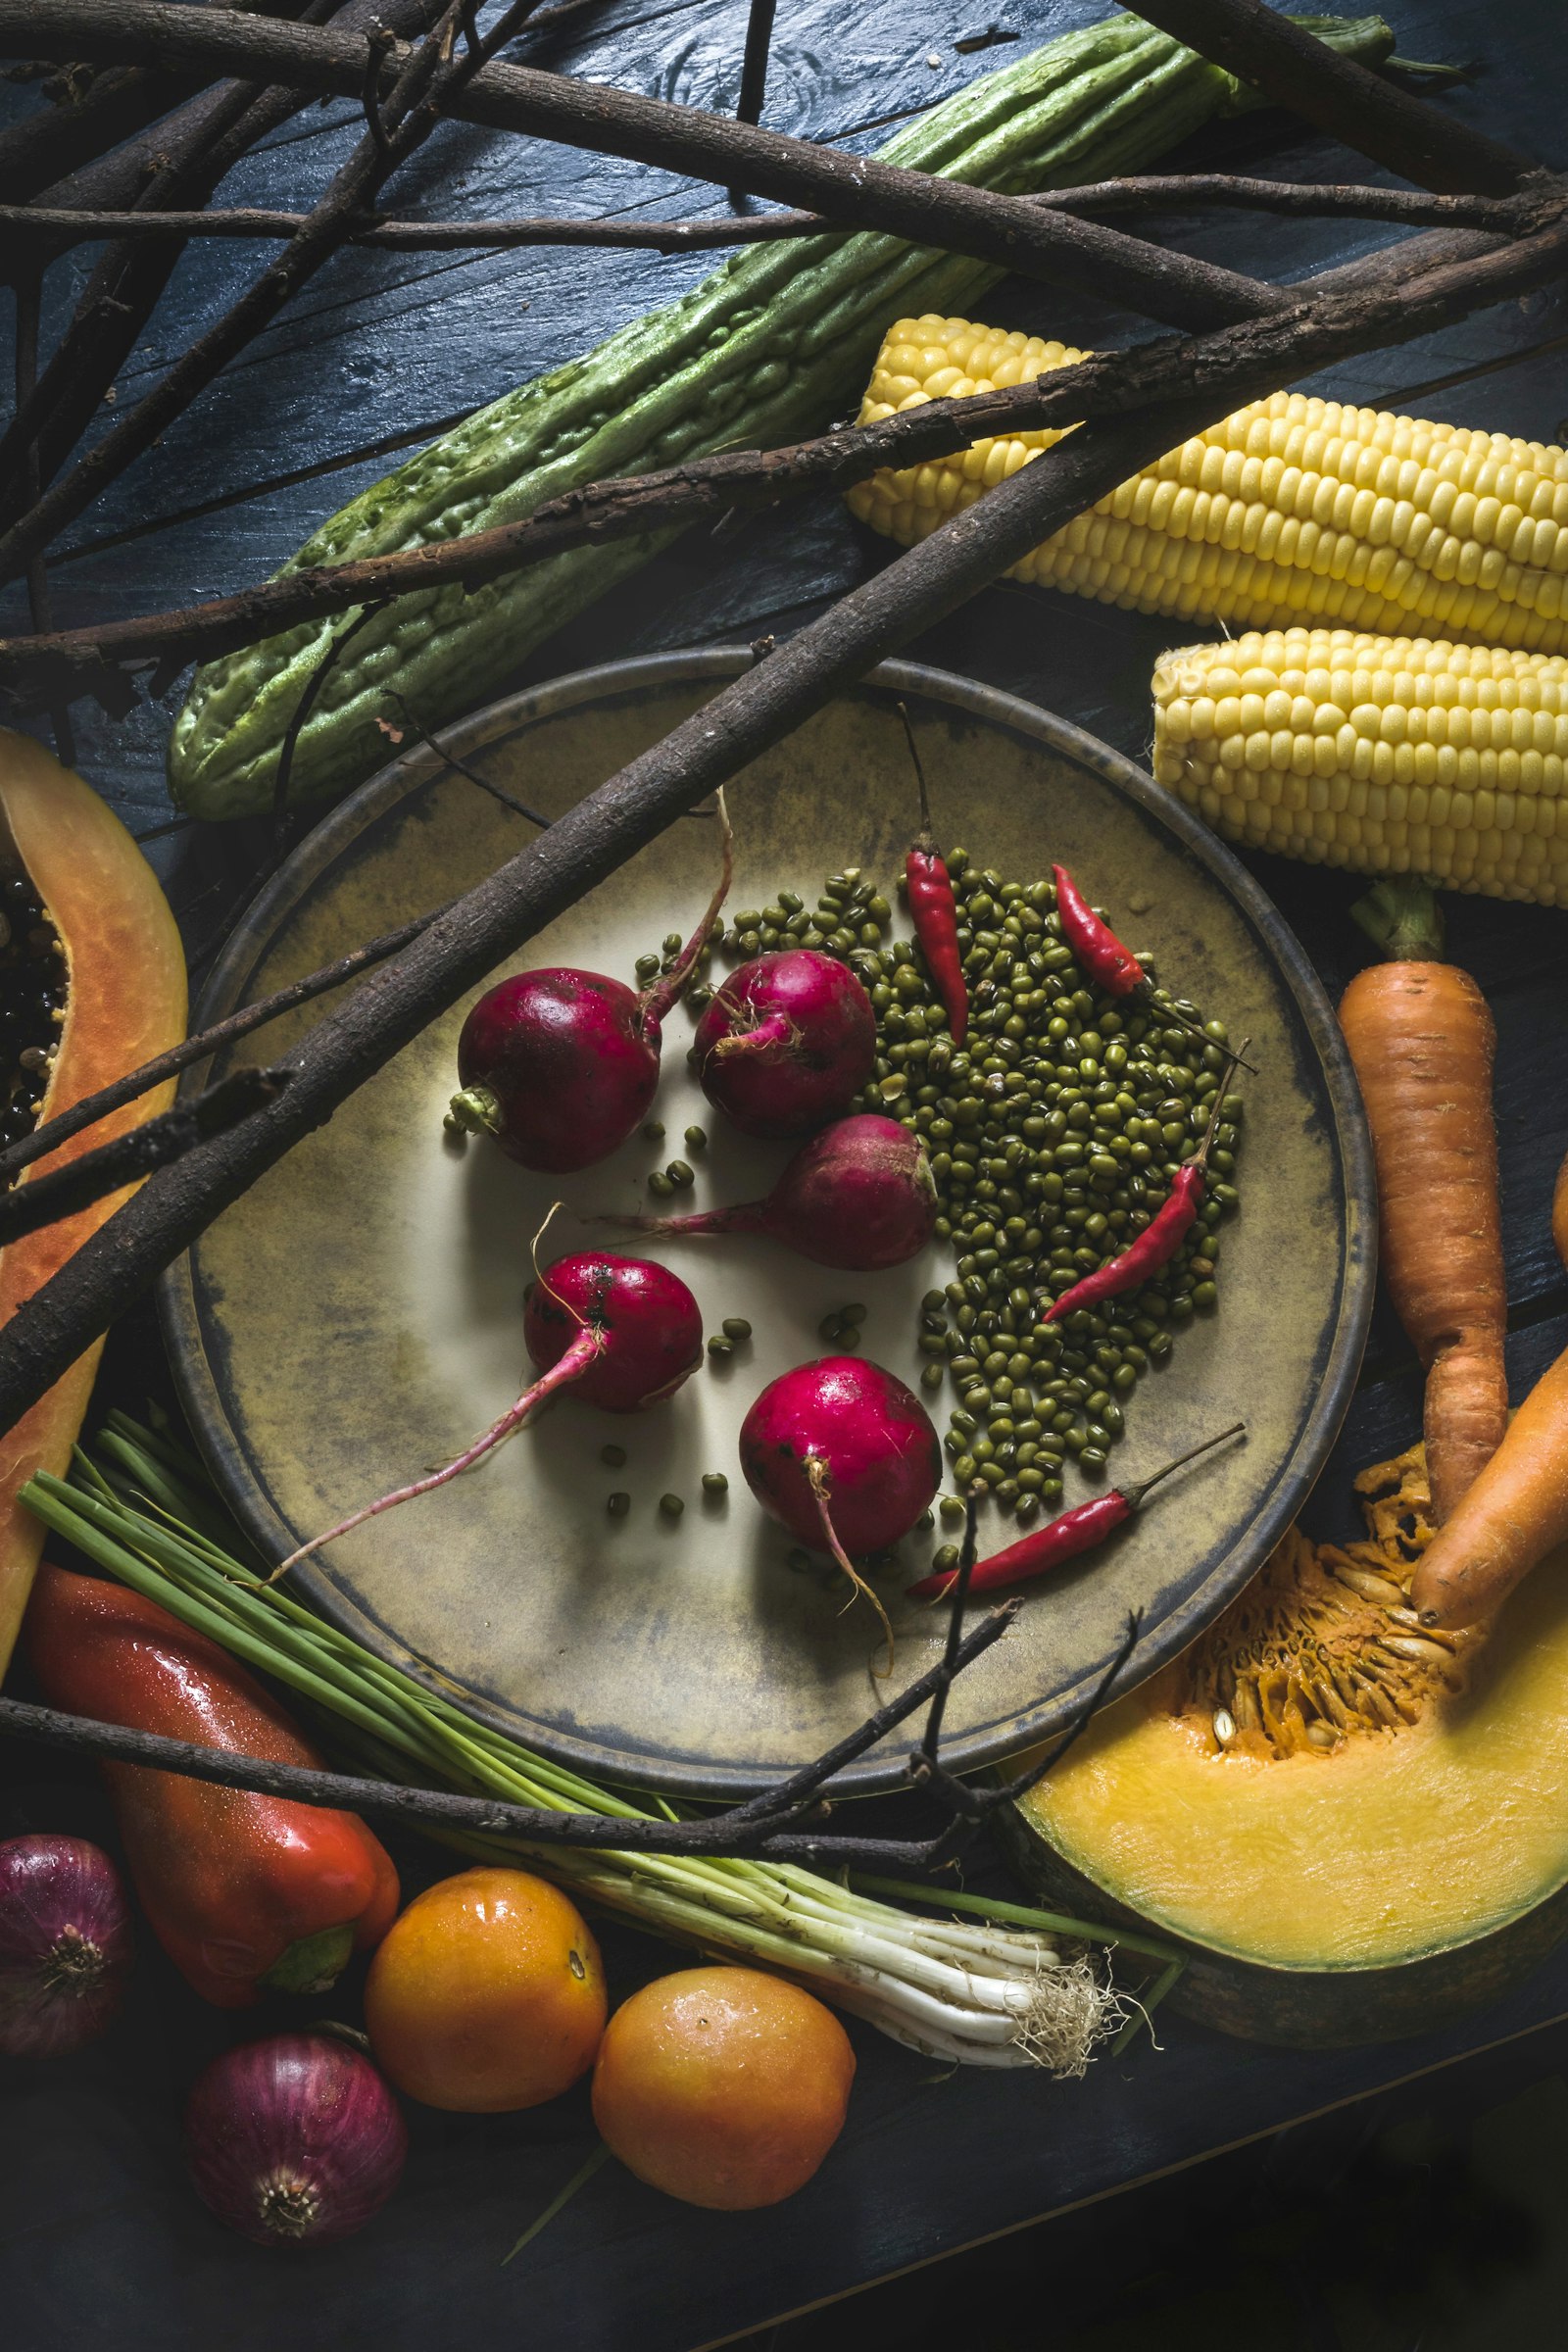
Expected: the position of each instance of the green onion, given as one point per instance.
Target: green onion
(982, 1994)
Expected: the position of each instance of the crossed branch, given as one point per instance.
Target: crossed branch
(775, 1825)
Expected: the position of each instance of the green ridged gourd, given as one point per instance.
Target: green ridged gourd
(769, 347)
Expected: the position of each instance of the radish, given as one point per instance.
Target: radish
(560, 1065)
(845, 1456)
(860, 1196)
(787, 1043)
(621, 1332)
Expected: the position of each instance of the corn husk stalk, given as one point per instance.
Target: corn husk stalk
(978, 1994)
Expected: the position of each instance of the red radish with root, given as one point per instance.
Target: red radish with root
(619, 1332)
(787, 1043)
(560, 1065)
(861, 1197)
(846, 1457)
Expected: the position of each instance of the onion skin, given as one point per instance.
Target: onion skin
(65, 1945)
(295, 2140)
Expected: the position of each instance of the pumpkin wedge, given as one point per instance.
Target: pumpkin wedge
(1353, 1830)
(92, 982)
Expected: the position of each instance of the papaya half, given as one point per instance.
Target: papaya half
(1351, 1827)
(93, 984)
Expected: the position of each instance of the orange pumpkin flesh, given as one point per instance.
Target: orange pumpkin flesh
(124, 1002)
(1352, 1828)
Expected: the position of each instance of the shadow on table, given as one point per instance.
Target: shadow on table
(1433, 2218)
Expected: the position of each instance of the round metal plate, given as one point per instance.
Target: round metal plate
(356, 1316)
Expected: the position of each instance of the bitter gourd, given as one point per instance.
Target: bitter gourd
(770, 346)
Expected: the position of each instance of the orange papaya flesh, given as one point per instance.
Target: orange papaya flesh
(123, 1000)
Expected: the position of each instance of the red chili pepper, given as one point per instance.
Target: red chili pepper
(1110, 965)
(932, 908)
(245, 1893)
(1078, 1530)
(1103, 957)
(1160, 1238)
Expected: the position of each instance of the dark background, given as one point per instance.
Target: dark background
(1394, 2197)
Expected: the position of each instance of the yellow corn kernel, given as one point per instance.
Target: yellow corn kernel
(1294, 509)
(1385, 755)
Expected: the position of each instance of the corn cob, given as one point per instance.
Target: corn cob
(1388, 755)
(1294, 509)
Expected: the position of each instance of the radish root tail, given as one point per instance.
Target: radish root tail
(570, 1367)
(821, 1491)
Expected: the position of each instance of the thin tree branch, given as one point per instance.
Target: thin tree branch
(754, 60)
(1169, 191)
(853, 191)
(41, 609)
(763, 1826)
(971, 1807)
(1318, 331)
(1011, 1790)
(448, 758)
(931, 1738)
(421, 79)
(189, 157)
(1307, 199)
(1282, 60)
(29, 1207)
(309, 694)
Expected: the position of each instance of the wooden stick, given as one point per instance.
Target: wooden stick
(754, 60)
(1282, 60)
(38, 149)
(187, 158)
(410, 95)
(853, 191)
(1322, 329)
(1172, 192)
(763, 1826)
(29, 1207)
(40, 607)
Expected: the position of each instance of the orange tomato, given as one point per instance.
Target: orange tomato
(487, 1994)
(722, 2087)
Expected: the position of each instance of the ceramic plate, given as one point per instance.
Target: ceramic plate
(356, 1316)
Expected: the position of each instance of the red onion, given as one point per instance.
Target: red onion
(295, 2140)
(65, 1945)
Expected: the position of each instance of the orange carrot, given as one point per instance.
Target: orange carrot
(1422, 1042)
(1516, 1512)
(1559, 1214)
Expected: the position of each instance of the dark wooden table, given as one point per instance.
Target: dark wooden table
(101, 2243)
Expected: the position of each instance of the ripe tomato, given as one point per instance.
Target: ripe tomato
(723, 2086)
(487, 1994)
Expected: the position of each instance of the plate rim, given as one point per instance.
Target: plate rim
(201, 1398)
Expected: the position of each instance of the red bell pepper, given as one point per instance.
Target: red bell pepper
(245, 1893)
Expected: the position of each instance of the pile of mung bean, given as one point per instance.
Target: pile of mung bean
(1053, 1137)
